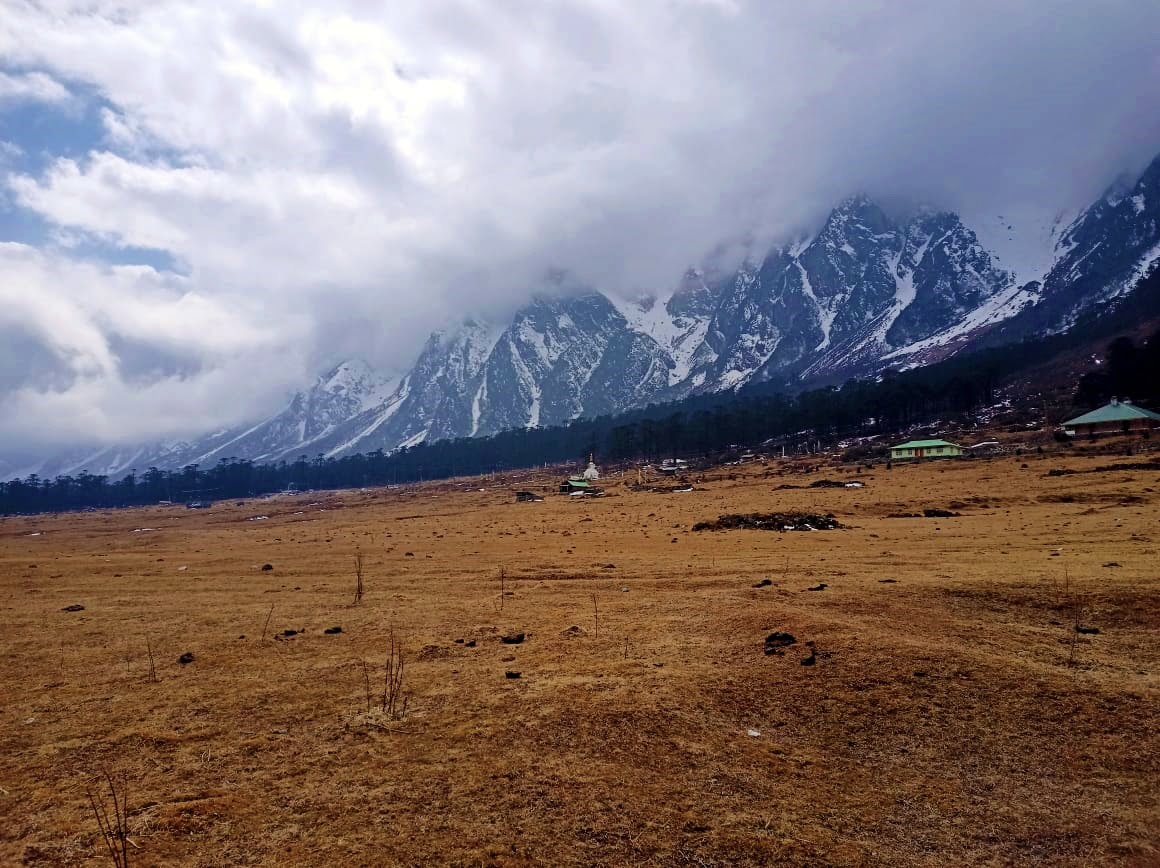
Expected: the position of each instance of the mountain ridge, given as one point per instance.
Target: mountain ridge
(862, 293)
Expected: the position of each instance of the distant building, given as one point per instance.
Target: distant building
(591, 474)
(1115, 417)
(916, 449)
(528, 497)
(571, 486)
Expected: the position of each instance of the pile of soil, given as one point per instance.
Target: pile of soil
(930, 512)
(821, 483)
(779, 521)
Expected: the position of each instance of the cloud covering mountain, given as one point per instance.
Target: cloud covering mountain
(203, 204)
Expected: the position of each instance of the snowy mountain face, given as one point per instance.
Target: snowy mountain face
(1101, 256)
(865, 292)
(863, 288)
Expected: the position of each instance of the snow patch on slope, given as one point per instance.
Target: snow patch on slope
(1003, 305)
(1022, 240)
(826, 312)
(678, 336)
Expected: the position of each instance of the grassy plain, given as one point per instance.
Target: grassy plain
(953, 715)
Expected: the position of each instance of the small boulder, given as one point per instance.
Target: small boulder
(513, 638)
(764, 583)
(186, 658)
(75, 607)
(820, 586)
(267, 568)
(511, 674)
(331, 631)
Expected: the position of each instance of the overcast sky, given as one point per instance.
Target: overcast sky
(202, 203)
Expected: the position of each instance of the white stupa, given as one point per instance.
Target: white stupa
(591, 474)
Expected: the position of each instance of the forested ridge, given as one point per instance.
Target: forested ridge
(956, 387)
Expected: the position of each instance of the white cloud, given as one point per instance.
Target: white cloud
(193, 349)
(32, 86)
(336, 180)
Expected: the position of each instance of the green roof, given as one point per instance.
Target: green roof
(1117, 411)
(578, 483)
(925, 444)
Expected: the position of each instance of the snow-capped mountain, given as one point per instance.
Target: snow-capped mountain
(309, 418)
(1100, 257)
(864, 292)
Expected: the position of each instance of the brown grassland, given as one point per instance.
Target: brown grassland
(953, 715)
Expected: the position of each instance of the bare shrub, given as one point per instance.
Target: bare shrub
(395, 698)
(358, 577)
(114, 827)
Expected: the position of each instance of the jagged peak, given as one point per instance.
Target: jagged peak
(1120, 188)
(857, 209)
(927, 214)
(345, 373)
(853, 203)
(1150, 177)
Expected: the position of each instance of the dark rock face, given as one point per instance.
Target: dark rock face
(953, 277)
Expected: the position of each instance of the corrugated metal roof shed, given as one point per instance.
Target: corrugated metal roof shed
(1116, 411)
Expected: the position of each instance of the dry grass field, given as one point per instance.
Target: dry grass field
(952, 714)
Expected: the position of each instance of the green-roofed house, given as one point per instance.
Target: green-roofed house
(1116, 417)
(916, 449)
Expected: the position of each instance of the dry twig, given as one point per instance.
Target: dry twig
(114, 829)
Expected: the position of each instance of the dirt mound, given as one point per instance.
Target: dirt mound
(1108, 468)
(777, 642)
(779, 521)
(821, 483)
